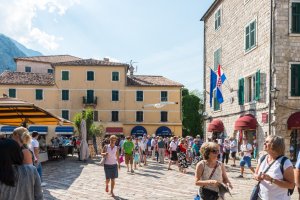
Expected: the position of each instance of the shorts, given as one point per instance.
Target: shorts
(246, 160)
(174, 156)
(233, 154)
(111, 171)
(128, 159)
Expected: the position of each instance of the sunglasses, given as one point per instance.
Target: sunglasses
(215, 151)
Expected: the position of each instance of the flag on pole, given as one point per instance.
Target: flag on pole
(220, 80)
(213, 83)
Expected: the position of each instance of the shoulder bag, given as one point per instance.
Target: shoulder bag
(206, 193)
(256, 189)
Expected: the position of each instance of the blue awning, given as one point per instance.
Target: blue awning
(64, 130)
(39, 129)
(163, 131)
(138, 131)
(7, 129)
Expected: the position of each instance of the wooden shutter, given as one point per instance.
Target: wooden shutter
(257, 85)
(295, 17)
(241, 91)
(247, 39)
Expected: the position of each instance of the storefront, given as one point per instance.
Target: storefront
(163, 131)
(114, 131)
(245, 127)
(7, 130)
(215, 129)
(66, 131)
(294, 128)
(138, 131)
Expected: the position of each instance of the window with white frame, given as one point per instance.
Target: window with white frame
(294, 80)
(218, 19)
(250, 88)
(250, 36)
(295, 16)
(217, 58)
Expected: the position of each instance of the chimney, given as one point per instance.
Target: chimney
(106, 59)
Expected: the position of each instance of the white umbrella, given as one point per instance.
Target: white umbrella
(84, 148)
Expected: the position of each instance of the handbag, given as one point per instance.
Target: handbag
(256, 189)
(208, 194)
(121, 159)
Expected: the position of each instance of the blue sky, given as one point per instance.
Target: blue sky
(163, 37)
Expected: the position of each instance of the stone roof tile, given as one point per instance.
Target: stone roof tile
(146, 80)
(49, 59)
(89, 62)
(26, 78)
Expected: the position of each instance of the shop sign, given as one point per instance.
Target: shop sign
(264, 117)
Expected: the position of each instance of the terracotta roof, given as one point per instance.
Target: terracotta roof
(90, 62)
(25, 78)
(49, 59)
(146, 80)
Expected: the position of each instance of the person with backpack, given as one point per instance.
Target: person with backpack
(275, 171)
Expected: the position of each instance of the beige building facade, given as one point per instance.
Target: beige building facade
(121, 102)
(257, 44)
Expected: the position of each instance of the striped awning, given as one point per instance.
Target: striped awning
(14, 112)
(64, 130)
(7, 129)
(39, 129)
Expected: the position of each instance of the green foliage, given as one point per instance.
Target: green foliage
(88, 115)
(77, 120)
(97, 130)
(192, 109)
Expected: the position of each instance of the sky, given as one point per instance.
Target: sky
(161, 37)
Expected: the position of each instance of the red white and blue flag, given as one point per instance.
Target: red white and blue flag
(220, 80)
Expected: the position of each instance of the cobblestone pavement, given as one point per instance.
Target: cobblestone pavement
(72, 179)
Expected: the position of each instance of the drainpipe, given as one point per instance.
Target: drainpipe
(204, 80)
(272, 29)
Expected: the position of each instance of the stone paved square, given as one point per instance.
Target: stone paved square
(73, 179)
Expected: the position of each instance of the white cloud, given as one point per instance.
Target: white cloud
(16, 18)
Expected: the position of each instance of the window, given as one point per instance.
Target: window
(249, 88)
(295, 80)
(115, 76)
(27, 69)
(217, 58)
(163, 96)
(115, 95)
(163, 116)
(115, 116)
(65, 75)
(90, 75)
(295, 17)
(216, 104)
(12, 93)
(50, 71)
(38, 94)
(139, 116)
(250, 36)
(95, 115)
(65, 95)
(65, 114)
(139, 96)
(90, 96)
(218, 19)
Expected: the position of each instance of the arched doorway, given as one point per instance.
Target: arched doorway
(163, 131)
(294, 126)
(138, 131)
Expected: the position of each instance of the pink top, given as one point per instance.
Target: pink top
(111, 158)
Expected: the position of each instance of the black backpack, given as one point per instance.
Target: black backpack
(290, 191)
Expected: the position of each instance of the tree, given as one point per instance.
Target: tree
(192, 109)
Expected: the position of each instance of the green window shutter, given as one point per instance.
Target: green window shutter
(115, 95)
(115, 76)
(217, 58)
(257, 85)
(247, 39)
(65, 75)
(90, 75)
(216, 21)
(241, 91)
(38, 94)
(90, 96)
(12, 93)
(295, 80)
(295, 17)
(65, 95)
(139, 96)
(252, 34)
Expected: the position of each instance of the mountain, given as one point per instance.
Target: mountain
(9, 49)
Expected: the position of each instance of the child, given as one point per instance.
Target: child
(136, 158)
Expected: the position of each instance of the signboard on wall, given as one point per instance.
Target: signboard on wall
(264, 117)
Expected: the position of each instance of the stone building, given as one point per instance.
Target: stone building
(257, 44)
(123, 103)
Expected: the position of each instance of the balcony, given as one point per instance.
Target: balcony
(89, 101)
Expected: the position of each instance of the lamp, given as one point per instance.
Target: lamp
(274, 93)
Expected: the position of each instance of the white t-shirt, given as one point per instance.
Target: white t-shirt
(233, 146)
(143, 145)
(245, 148)
(173, 146)
(34, 144)
(273, 191)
